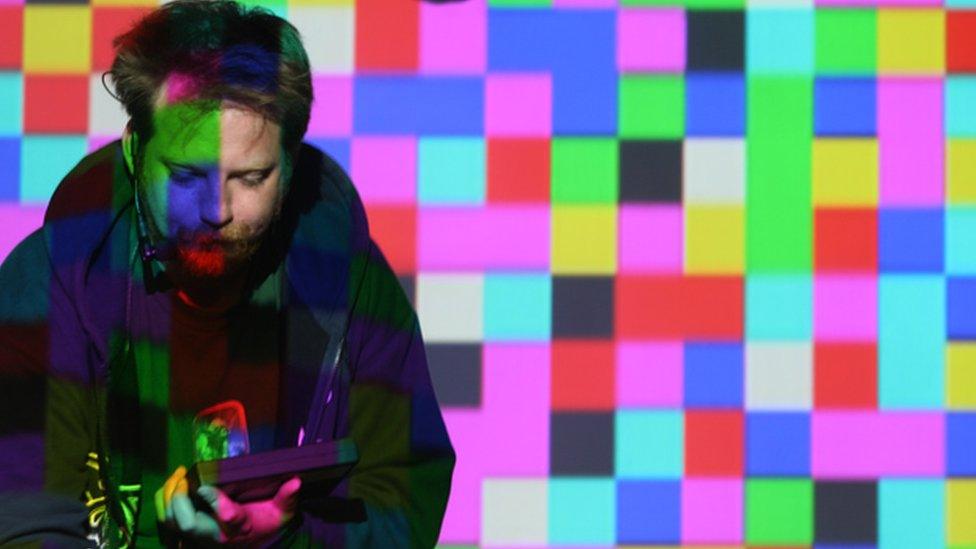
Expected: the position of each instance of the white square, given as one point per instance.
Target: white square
(451, 307)
(779, 376)
(714, 171)
(328, 33)
(106, 115)
(514, 512)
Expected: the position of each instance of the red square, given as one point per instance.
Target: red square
(846, 239)
(12, 31)
(107, 23)
(713, 443)
(845, 375)
(582, 375)
(679, 307)
(394, 228)
(961, 41)
(518, 170)
(386, 35)
(55, 104)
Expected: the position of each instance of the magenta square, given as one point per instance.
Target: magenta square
(453, 37)
(462, 520)
(516, 409)
(385, 169)
(649, 373)
(18, 222)
(711, 510)
(651, 239)
(479, 238)
(651, 39)
(518, 104)
(910, 141)
(332, 108)
(863, 444)
(845, 308)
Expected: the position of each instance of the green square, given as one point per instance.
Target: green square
(779, 511)
(652, 106)
(584, 170)
(846, 41)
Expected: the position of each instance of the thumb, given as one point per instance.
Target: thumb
(285, 498)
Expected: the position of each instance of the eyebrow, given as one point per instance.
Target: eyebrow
(170, 165)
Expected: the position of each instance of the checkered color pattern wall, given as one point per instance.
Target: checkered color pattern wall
(697, 273)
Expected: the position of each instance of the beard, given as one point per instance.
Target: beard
(214, 257)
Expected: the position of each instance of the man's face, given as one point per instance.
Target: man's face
(212, 184)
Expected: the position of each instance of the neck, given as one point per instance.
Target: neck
(212, 295)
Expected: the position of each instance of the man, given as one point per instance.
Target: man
(210, 273)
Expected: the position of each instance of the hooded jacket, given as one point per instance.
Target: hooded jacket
(83, 409)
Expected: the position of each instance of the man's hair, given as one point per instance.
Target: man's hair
(227, 51)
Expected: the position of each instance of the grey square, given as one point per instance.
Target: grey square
(582, 306)
(455, 371)
(581, 443)
(409, 285)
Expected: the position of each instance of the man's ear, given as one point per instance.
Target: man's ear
(129, 143)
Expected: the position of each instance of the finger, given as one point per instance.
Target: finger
(286, 497)
(229, 513)
(207, 527)
(184, 512)
(160, 505)
(170, 485)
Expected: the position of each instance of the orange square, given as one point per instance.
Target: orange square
(394, 228)
(55, 103)
(518, 170)
(583, 375)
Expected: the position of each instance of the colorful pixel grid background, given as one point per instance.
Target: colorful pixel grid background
(695, 273)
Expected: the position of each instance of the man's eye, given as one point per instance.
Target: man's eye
(255, 179)
(183, 176)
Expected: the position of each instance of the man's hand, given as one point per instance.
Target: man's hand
(225, 521)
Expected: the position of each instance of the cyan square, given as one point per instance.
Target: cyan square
(960, 444)
(960, 235)
(961, 3)
(451, 170)
(517, 306)
(779, 41)
(911, 514)
(910, 239)
(713, 375)
(960, 108)
(10, 160)
(779, 307)
(844, 106)
(649, 443)
(648, 511)
(44, 161)
(911, 332)
(590, 497)
(778, 444)
(11, 103)
(715, 104)
(961, 303)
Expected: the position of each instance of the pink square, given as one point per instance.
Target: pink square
(518, 105)
(515, 408)
(651, 39)
(650, 239)
(385, 169)
(845, 308)
(466, 238)
(711, 510)
(910, 141)
(650, 373)
(332, 108)
(453, 37)
(462, 520)
(18, 222)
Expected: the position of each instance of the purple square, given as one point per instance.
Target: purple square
(384, 169)
(453, 37)
(711, 511)
(845, 308)
(649, 373)
(518, 104)
(650, 239)
(651, 39)
(332, 108)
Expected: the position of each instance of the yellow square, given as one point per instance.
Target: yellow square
(584, 239)
(961, 510)
(714, 239)
(845, 172)
(961, 177)
(911, 40)
(57, 39)
(961, 375)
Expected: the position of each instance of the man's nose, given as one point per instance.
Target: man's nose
(215, 203)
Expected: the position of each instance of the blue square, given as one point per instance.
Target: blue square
(779, 41)
(571, 498)
(713, 375)
(585, 102)
(11, 103)
(779, 307)
(910, 239)
(961, 444)
(338, 149)
(777, 443)
(649, 444)
(44, 161)
(844, 106)
(961, 307)
(648, 511)
(419, 104)
(518, 307)
(715, 104)
(451, 170)
(10, 160)
(960, 235)
(960, 108)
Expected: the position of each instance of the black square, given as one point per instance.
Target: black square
(455, 371)
(581, 443)
(582, 306)
(716, 40)
(846, 512)
(650, 171)
(409, 285)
